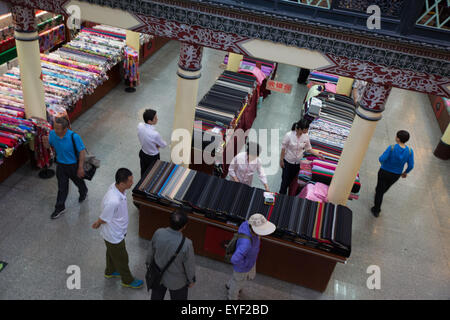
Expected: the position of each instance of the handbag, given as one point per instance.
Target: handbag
(153, 276)
(90, 163)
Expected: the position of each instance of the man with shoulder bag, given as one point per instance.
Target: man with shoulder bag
(70, 165)
(171, 261)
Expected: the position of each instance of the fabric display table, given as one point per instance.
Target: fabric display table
(333, 116)
(231, 103)
(310, 238)
(268, 68)
(51, 29)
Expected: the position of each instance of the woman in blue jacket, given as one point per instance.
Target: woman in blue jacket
(392, 163)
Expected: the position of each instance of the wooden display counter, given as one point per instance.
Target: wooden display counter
(285, 260)
(150, 48)
(10, 164)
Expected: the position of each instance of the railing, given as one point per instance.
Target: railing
(313, 3)
(399, 18)
(436, 15)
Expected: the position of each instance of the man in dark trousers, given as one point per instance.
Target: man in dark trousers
(392, 163)
(70, 155)
(180, 274)
(150, 140)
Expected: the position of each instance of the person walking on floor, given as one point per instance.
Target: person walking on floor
(113, 224)
(70, 155)
(246, 253)
(180, 274)
(150, 140)
(392, 162)
(244, 165)
(294, 144)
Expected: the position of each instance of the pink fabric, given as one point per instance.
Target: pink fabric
(315, 192)
(330, 87)
(260, 76)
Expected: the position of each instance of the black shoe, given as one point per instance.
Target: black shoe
(228, 288)
(375, 213)
(57, 213)
(82, 198)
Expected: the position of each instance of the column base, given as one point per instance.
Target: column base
(442, 151)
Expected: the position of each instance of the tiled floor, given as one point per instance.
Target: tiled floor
(409, 241)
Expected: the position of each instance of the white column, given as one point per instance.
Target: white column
(368, 114)
(27, 43)
(188, 73)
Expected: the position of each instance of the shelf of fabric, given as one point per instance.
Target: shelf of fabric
(231, 103)
(236, 202)
(311, 237)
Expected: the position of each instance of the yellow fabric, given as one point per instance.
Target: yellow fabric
(234, 61)
(344, 86)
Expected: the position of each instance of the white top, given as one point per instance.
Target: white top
(115, 214)
(243, 171)
(150, 139)
(295, 147)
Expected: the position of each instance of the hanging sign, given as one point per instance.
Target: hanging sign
(279, 86)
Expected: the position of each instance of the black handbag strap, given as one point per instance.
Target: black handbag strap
(174, 256)
(74, 148)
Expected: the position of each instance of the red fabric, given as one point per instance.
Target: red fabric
(215, 238)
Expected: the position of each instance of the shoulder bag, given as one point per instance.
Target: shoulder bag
(90, 162)
(153, 276)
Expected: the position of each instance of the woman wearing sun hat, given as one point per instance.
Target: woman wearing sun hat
(246, 254)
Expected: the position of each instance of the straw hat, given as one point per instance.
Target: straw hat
(260, 225)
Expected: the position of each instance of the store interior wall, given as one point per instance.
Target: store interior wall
(407, 241)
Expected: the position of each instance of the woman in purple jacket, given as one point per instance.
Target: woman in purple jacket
(244, 258)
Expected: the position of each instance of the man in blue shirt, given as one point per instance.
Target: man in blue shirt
(70, 155)
(392, 163)
(246, 253)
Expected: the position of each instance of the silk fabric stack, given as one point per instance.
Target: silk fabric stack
(13, 133)
(324, 226)
(328, 133)
(318, 77)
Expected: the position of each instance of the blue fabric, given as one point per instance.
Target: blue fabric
(244, 258)
(64, 146)
(394, 160)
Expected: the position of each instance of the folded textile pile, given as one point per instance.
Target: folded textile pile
(13, 133)
(322, 225)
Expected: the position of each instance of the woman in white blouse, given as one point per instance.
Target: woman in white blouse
(294, 144)
(244, 165)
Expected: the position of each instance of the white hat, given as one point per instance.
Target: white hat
(260, 225)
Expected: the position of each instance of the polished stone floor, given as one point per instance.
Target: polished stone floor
(409, 241)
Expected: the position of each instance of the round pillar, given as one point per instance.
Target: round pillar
(442, 150)
(189, 67)
(28, 54)
(368, 113)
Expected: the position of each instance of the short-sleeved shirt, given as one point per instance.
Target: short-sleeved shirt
(295, 146)
(150, 139)
(115, 214)
(65, 152)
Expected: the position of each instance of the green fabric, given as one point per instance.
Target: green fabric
(8, 55)
(117, 261)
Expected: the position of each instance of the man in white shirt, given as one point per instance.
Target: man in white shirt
(244, 165)
(113, 224)
(150, 140)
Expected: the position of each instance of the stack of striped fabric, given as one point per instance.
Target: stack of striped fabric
(322, 225)
(318, 77)
(231, 103)
(328, 133)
